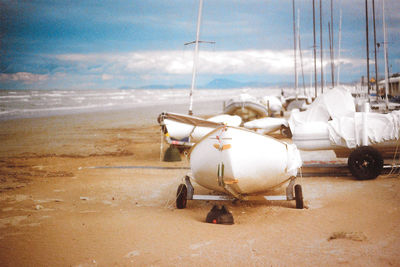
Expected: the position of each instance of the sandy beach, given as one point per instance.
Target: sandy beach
(57, 209)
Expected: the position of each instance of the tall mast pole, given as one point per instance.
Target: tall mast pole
(340, 40)
(332, 47)
(315, 52)
(385, 54)
(330, 50)
(295, 48)
(300, 51)
(367, 42)
(321, 45)
(195, 57)
(376, 60)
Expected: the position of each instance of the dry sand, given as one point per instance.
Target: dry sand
(57, 211)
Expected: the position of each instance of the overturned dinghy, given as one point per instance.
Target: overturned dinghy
(267, 125)
(242, 163)
(245, 106)
(185, 130)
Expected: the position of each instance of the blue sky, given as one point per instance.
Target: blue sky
(112, 44)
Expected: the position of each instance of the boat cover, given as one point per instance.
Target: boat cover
(345, 126)
(348, 131)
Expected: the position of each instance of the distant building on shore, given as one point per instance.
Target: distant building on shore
(394, 85)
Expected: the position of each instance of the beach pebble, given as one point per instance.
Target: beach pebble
(84, 198)
(39, 207)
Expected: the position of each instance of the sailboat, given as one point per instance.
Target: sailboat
(332, 123)
(241, 164)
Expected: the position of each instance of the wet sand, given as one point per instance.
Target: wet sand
(57, 210)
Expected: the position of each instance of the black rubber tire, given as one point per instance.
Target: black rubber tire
(181, 196)
(298, 193)
(365, 163)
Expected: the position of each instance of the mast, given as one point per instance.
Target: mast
(330, 50)
(322, 50)
(195, 57)
(332, 53)
(376, 60)
(385, 55)
(315, 53)
(295, 47)
(340, 40)
(367, 41)
(300, 52)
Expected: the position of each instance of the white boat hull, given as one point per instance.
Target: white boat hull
(252, 163)
(266, 125)
(190, 130)
(312, 136)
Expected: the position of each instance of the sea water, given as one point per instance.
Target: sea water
(41, 103)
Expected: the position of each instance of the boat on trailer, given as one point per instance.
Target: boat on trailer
(241, 164)
(332, 123)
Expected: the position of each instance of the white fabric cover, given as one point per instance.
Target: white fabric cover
(336, 108)
(335, 103)
(347, 131)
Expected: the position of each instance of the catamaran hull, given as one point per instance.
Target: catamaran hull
(243, 162)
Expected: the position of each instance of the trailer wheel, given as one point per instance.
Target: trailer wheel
(181, 196)
(298, 196)
(365, 163)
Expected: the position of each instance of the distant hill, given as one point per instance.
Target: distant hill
(223, 84)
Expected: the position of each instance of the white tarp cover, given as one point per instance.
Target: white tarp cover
(348, 131)
(335, 103)
(345, 126)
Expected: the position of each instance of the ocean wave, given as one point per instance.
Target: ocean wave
(30, 103)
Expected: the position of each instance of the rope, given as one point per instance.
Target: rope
(169, 203)
(301, 175)
(393, 170)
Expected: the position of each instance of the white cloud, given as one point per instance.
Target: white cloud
(106, 77)
(150, 63)
(25, 77)
(178, 62)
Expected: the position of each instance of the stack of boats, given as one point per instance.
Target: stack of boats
(231, 155)
(331, 122)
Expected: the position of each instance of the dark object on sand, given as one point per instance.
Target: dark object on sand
(172, 154)
(219, 215)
